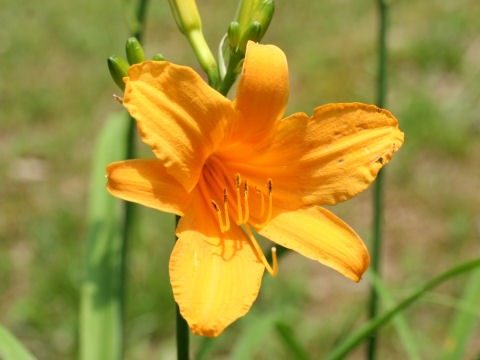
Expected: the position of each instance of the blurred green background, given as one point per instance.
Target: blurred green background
(56, 92)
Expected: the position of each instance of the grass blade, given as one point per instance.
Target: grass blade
(101, 293)
(463, 322)
(356, 338)
(11, 348)
(291, 342)
(398, 321)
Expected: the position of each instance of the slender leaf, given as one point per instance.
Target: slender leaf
(205, 349)
(101, 293)
(11, 348)
(356, 338)
(464, 322)
(398, 321)
(290, 341)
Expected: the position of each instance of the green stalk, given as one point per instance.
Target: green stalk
(129, 207)
(378, 190)
(374, 324)
(231, 74)
(183, 330)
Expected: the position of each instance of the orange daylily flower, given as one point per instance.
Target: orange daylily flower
(227, 167)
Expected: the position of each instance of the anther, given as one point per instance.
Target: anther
(225, 209)
(261, 256)
(239, 200)
(219, 216)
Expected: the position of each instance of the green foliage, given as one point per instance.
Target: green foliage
(463, 324)
(101, 316)
(11, 348)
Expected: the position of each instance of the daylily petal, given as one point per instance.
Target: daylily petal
(146, 182)
(178, 115)
(324, 159)
(318, 234)
(215, 277)
(262, 93)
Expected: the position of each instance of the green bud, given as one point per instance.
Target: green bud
(134, 51)
(185, 13)
(251, 11)
(253, 33)
(118, 70)
(158, 57)
(234, 34)
(264, 14)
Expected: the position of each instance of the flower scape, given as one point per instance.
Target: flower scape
(232, 168)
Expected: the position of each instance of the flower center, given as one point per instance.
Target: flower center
(240, 190)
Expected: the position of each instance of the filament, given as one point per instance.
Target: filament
(239, 200)
(223, 228)
(245, 198)
(262, 201)
(270, 204)
(225, 209)
(261, 256)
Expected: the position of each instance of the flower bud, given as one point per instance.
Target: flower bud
(253, 32)
(234, 34)
(134, 51)
(260, 11)
(186, 15)
(118, 70)
(158, 57)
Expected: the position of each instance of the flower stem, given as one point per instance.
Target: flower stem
(378, 190)
(129, 207)
(182, 328)
(231, 74)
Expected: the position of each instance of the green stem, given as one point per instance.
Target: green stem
(374, 324)
(140, 14)
(378, 191)
(129, 208)
(231, 74)
(183, 330)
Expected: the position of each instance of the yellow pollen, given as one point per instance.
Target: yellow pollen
(261, 256)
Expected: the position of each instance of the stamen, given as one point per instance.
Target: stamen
(262, 201)
(239, 200)
(219, 216)
(245, 198)
(225, 209)
(261, 255)
(270, 204)
(270, 201)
